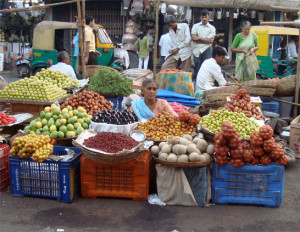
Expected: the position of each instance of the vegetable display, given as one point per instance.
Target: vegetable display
(32, 89)
(37, 147)
(241, 103)
(57, 123)
(165, 124)
(91, 101)
(171, 70)
(243, 125)
(262, 148)
(116, 117)
(110, 142)
(6, 119)
(184, 149)
(56, 77)
(110, 83)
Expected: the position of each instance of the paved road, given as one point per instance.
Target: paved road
(34, 214)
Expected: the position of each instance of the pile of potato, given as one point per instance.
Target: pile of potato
(184, 150)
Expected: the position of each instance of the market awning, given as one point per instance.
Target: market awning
(273, 5)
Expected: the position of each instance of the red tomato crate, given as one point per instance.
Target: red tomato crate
(126, 180)
(4, 165)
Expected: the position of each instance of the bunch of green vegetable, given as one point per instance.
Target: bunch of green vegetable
(110, 83)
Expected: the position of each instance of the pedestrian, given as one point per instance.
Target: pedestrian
(292, 48)
(63, 65)
(210, 71)
(90, 44)
(165, 46)
(151, 45)
(245, 44)
(142, 46)
(181, 49)
(203, 34)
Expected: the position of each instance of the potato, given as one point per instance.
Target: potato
(210, 149)
(166, 149)
(172, 158)
(154, 150)
(183, 159)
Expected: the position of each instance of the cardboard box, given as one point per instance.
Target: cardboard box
(295, 136)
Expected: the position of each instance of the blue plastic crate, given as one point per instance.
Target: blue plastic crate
(272, 106)
(50, 179)
(117, 102)
(252, 185)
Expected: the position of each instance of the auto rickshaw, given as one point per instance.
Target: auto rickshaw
(272, 55)
(51, 37)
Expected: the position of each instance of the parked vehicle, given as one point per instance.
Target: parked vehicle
(272, 55)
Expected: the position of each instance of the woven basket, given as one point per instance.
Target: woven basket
(261, 84)
(268, 92)
(208, 135)
(91, 70)
(65, 142)
(215, 100)
(181, 165)
(223, 90)
(286, 86)
(110, 159)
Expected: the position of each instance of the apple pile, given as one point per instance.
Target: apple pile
(241, 103)
(262, 148)
(57, 123)
(37, 147)
(32, 89)
(162, 125)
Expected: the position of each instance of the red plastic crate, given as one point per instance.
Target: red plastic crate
(4, 165)
(127, 180)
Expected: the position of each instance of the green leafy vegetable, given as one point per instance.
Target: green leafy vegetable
(110, 83)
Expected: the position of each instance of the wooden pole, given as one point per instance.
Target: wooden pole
(230, 33)
(81, 39)
(297, 81)
(35, 8)
(156, 38)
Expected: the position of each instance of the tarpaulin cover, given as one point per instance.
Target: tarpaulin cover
(177, 97)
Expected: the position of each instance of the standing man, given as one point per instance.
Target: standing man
(292, 48)
(151, 44)
(165, 45)
(203, 35)
(181, 50)
(90, 44)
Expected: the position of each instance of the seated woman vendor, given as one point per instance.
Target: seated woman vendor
(150, 106)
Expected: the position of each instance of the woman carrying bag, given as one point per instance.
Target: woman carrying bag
(142, 45)
(245, 44)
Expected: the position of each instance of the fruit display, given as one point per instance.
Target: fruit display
(171, 70)
(184, 150)
(110, 83)
(91, 101)
(117, 117)
(56, 78)
(262, 148)
(6, 119)
(57, 123)
(32, 89)
(32, 145)
(243, 125)
(163, 125)
(241, 103)
(110, 142)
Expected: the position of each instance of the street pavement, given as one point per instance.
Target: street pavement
(103, 214)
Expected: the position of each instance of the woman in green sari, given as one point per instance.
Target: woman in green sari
(244, 43)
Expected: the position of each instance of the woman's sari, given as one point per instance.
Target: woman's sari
(246, 44)
(141, 109)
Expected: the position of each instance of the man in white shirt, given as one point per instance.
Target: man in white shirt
(165, 45)
(292, 48)
(210, 71)
(203, 35)
(181, 50)
(63, 65)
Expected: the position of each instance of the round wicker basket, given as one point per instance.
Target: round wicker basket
(223, 90)
(181, 165)
(286, 86)
(208, 135)
(268, 92)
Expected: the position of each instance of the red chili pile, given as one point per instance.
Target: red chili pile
(110, 142)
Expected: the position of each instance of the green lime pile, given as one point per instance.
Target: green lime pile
(57, 123)
(243, 125)
(34, 90)
(56, 77)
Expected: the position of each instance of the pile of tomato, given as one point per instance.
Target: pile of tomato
(6, 119)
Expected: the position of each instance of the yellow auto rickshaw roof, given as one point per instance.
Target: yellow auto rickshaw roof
(271, 30)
